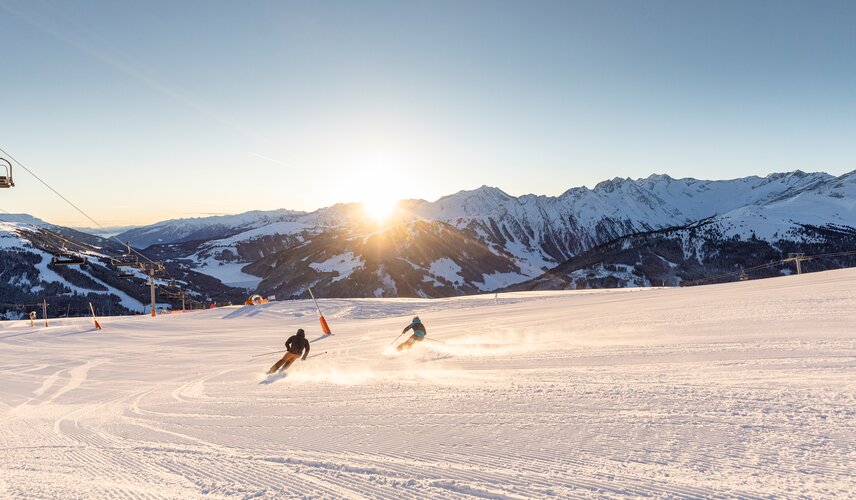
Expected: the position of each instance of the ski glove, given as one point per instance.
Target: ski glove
(303, 358)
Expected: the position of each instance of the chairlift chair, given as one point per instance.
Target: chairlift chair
(126, 260)
(66, 258)
(170, 290)
(6, 176)
(125, 274)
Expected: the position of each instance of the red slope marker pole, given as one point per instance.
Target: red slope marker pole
(91, 309)
(324, 326)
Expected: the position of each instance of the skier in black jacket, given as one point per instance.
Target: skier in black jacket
(296, 345)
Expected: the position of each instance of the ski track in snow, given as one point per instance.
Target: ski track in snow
(745, 389)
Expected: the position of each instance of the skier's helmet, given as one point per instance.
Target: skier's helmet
(300, 332)
(416, 319)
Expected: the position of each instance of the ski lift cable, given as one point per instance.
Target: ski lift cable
(744, 270)
(772, 264)
(58, 236)
(85, 248)
(5, 304)
(736, 273)
(51, 188)
(833, 254)
(52, 233)
(75, 206)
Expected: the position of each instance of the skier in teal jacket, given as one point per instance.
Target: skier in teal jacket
(419, 333)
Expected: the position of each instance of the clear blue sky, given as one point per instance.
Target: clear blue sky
(140, 111)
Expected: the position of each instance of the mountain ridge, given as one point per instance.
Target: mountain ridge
(531, 234)
(482, 192)
(484, 239)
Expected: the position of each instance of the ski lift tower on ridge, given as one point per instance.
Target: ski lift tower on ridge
(6, 174)
(152, 269)
(796, 258)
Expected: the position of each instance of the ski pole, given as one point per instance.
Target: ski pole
(266, 354)
(435, 340)
(396, 339)
(316, 355)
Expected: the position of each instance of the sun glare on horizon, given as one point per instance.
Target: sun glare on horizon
(379, 208)
(376, 182)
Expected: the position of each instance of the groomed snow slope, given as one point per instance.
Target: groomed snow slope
(745, 389)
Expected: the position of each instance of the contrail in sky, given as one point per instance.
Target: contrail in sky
(263, 157)
(146, 76)
(121, 63)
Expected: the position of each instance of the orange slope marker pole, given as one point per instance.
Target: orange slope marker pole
(324, 326)
(92, 310)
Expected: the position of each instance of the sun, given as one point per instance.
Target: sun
(375, 184)
(379, 208)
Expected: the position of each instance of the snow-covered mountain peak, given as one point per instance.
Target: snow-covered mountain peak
(336, 215)
(611, 185)
(483, 193)
(848, 175)
(797, 177)
(234, 220)
(472, 203)
(575, 193)
(204, 228)
(23, 219)
(656, 178)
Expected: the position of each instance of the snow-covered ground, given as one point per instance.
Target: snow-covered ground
(744, 389)
(229, 273)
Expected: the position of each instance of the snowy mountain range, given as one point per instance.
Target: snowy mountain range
(623, 232)
(203, 228)
(28, 276)
(491, 239)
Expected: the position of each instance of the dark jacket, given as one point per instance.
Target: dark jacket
(296, 344)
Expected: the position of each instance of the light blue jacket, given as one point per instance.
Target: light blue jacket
(418, 329)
